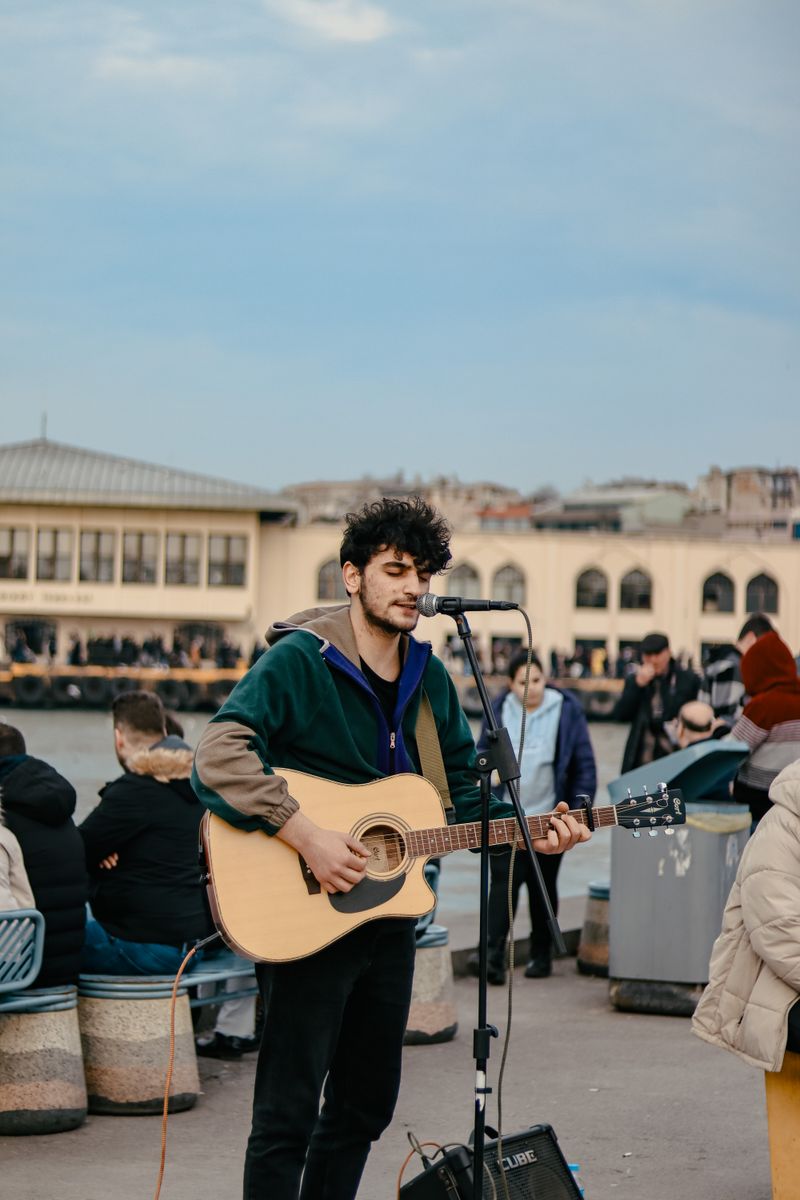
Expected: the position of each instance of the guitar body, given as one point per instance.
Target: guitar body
(266, 904)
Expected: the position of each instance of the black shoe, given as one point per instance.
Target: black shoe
(495, 970)
(221, 1046)
(496, 974)
(247, 1045)
(539, 967)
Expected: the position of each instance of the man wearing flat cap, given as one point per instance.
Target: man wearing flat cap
(654, 694)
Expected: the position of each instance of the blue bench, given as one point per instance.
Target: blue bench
(219, 968)
(42, 1088)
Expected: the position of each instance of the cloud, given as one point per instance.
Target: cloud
(351, 21)
(135, 55)
(172, 69)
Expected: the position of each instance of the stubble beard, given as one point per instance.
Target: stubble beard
(381, 623)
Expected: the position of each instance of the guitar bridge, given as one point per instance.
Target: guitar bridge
(313, 885)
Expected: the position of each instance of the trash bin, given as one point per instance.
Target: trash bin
(668, 893)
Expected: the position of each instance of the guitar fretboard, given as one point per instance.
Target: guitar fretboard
(447, 838)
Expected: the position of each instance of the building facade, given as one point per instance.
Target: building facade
(586, 589)
(106, 551)
(98, 550)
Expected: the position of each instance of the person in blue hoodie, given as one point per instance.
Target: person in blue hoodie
(557, 764)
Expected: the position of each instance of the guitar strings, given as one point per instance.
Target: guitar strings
(398, 842)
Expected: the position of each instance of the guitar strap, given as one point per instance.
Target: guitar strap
(430, 754)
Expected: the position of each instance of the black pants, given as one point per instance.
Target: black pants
(499, 865)
(342, 1013)
(793, 1035)
(757, 801)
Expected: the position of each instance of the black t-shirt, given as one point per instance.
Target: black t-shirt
(385, 689)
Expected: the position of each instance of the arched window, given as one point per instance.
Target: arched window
(330, 585)
(718, 593)
(636, 590)
(591, 589)
(463, 581)
(509, 584)
(761, 595)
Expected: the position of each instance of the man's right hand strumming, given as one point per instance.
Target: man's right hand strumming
(337, 860)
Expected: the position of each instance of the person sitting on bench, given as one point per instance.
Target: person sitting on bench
(148, 907)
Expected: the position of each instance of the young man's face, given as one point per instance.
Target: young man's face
(386, 591)
(535, 686)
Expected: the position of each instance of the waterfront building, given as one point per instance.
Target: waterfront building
(96, 547)
(104, 548)
(581, 589)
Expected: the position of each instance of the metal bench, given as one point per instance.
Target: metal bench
(42, 1087)
(21, 947)
(218, 969)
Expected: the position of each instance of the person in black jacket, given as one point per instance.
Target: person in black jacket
(38, 805)
(653, 694)
(141, 848)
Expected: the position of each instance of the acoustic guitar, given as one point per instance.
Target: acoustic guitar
(268, 906)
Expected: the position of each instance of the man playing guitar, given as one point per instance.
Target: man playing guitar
(337, 696)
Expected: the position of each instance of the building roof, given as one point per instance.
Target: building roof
(45, 472)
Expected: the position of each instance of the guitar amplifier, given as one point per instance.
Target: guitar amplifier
(535, 1169)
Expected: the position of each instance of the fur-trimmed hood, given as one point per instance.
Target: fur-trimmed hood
(169, 759)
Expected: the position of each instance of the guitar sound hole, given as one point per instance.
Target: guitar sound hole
(386, 847)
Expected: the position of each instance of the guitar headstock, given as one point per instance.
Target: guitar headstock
(651, 810)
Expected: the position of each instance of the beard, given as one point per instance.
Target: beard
(383, 620)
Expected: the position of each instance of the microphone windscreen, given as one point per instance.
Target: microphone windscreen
(426, 605)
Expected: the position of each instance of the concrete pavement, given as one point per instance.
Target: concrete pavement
(648, 1110)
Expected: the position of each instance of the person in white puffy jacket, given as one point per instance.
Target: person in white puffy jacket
(751, 1005)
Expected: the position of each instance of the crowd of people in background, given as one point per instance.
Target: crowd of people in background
(123, 650)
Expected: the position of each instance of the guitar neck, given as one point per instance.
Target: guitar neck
(422, 843)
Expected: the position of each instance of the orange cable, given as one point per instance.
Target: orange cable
(170, 1066)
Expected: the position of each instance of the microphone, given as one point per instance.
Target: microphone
(429, 605)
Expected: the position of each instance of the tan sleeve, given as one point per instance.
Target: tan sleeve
(233, 780)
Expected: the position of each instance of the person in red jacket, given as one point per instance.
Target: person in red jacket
(770, 722)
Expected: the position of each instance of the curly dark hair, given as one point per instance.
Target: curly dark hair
(410, 526)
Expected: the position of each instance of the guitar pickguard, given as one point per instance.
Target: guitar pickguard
(370, 893)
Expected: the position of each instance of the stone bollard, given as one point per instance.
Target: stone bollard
(432, 1017)
(42, 1087)
(124, 1025)
(593, 945)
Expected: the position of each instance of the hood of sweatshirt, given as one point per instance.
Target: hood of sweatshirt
(331, 625)
(36, 790)
(769, 664)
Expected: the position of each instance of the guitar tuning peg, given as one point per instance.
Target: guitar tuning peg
(669, 833)
(653, 832)
(637, 833)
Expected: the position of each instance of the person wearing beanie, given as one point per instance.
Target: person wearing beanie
(653, 694)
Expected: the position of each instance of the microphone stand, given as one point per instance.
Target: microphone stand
(499, 757)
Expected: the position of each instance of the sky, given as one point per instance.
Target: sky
(527, 241)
